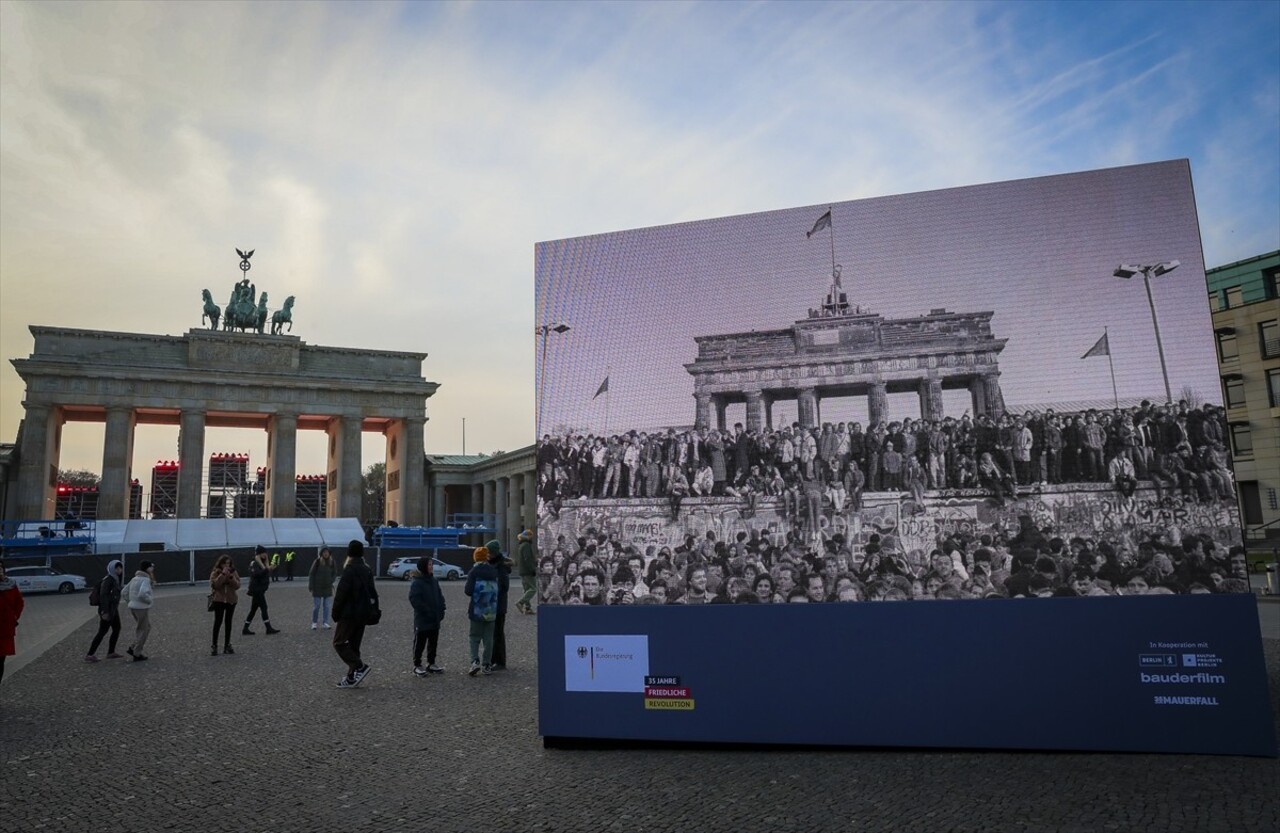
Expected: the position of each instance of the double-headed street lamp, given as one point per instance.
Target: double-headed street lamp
(544, 330)
(1147, 271)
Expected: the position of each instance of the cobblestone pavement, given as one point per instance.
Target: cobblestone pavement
(262, 741)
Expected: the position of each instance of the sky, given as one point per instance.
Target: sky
(1036, 254)
(394, 165)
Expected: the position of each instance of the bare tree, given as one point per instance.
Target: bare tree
(1193, 397)
(79, 477)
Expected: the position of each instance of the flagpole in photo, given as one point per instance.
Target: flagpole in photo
(1103, 348)
(604, 388)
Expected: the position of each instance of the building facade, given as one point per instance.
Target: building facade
(1245, 300)
(501, 486)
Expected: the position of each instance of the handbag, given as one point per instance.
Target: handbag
(374, 616)
(210, 602)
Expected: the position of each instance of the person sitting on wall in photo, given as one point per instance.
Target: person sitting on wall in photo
(1120, 472)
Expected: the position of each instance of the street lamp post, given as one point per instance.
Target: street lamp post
(544, 330)
(1147, 271)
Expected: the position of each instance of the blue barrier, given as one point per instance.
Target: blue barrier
(1140, 674)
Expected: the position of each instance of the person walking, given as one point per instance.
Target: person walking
(11, 604)
(259, 583)
(224, 581)
(527, 567)
(503, 565)
(320, 583)
(108, 612)
(428, 612)
(139, 593)
(482, 611)
(354, 602)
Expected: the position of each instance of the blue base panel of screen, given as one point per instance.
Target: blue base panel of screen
(1178, 674)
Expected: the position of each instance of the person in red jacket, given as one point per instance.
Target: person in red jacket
(11, 605)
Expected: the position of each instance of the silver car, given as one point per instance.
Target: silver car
(45, 579)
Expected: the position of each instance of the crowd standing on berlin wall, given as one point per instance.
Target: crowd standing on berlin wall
(819, 473)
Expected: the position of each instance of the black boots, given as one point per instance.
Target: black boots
(246, 630)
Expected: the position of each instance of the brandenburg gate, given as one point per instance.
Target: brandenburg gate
(842, 351)
(276, 383)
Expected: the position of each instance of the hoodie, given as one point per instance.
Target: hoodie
(109, 591)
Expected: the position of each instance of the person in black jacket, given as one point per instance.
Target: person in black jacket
(503, 566)
(428, 611)
(259, 583)
(354, 600)
(108, 612)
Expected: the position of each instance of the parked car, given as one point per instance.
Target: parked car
(45, 579)
(402, 567)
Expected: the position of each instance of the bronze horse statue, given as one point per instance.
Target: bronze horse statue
(282, 316)
(212, 311)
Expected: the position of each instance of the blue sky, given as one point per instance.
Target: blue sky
(394, 165)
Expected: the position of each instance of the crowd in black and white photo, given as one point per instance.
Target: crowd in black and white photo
(1179, 449)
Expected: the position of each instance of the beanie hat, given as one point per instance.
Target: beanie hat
(495, 549)
(355, 548)
(259, 549)
(481, 554)
(425, 566)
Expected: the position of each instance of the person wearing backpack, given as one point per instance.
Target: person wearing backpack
(355, 605)
(139, 594)
(428, 612)
(108, 602)
(482, 587)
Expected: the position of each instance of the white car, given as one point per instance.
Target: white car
(45, 579)
(402, 567)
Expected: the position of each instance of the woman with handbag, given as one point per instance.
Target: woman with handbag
(224, 581)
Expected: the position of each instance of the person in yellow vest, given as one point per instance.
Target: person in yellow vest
(288, 565)
(275, 566)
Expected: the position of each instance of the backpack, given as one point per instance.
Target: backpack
(95, 595)
(484, 600)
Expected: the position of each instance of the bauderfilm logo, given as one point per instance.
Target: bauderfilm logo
(1203, 678)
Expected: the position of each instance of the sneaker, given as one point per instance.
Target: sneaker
(348, 682)
(432, 668)
(498, 667)
(362, 672)
(139, 658)
(213, 652)
(487, 670)
(419, 671)
(113, 655)
(227, 649)
(475, 669)
(90, 658)
(313, 626)
(327, 626)
(129, 650)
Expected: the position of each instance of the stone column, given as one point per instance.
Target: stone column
(490, 492)
(702, 417)
(877, 403)
(190, 463)
(346, 480)
(755, 410)
(807, 407)
(503, 489)
(931, 398)
(477, 499)
(393, 471)
(529, 515)
(721, 419)
(282, 465)
(412, 481)
(117, 464)
(38, 470)
(437, 505)
(995, 398)
(514, 504)
(978, 393)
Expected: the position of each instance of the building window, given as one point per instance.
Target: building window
(1241, 440)
(1269, 338)
(1215, 302)
(1234, 391)
(1227, 347)
(1234, 297)
(1271, 282)
(1273, 386)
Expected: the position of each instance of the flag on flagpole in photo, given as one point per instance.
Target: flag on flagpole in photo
(823, 222)
(604, 387)
(1102, 348)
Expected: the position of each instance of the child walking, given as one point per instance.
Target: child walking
(428, 612)
(482, 587)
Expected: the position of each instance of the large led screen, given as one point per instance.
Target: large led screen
(994, 391)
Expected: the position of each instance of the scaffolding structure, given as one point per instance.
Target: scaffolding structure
(228, 479)
(164, 489)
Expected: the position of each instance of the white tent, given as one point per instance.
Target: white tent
(223, 533)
